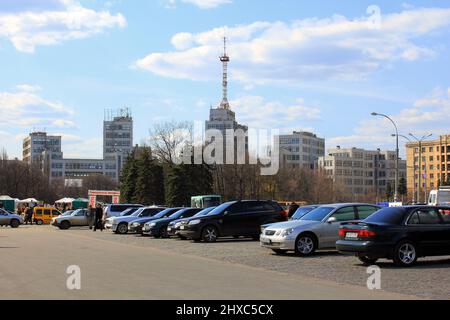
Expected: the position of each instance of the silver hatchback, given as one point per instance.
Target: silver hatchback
(77, 218)
(318, 229)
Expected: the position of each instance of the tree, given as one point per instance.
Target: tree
(177, 193)
(389, 192)
(128, 179)
(402, 188)
(150, 182)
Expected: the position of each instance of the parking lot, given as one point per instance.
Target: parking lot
(183, 265)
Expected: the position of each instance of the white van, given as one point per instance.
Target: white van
(440, 197)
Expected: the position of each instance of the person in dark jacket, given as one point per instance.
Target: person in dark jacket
(91, 216)
(292, 209)
(98, 218)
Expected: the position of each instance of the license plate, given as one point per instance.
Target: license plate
(351, 235)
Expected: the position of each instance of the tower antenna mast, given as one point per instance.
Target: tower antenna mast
(225, 59)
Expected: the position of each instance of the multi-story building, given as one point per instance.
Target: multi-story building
(45, 150)
(117, 136)
(429, 163)
(362, 171)
(300, 148)
(38, 142)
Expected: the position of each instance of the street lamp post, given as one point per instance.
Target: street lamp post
(413, 167)
(397, 152)
(420, 141)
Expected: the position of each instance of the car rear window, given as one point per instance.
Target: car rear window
(387, 215)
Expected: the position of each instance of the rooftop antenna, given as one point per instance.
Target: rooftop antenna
(225, 59)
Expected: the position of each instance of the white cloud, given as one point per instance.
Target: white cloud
(425, 116)
(91, 148)
(202, 4)
(207, 4)
(50, 25)
(309, 49)
(259, 113)
(25, 108)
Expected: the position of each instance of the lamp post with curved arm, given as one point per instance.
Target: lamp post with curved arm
(413, 167)
(375, 114)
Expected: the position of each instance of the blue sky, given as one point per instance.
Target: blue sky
(321, 66)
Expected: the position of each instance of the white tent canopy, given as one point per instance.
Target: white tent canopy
(65, 200)
(6, 198)
(29, 200)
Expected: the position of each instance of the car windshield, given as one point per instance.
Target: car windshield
(165, 213)
(177, 214)
(301, 212)
(220, 209)
(318, 214)
(204, 212)
(67, 213)
(137, 212)
(75, 212)
(387, 215)
(128, 212)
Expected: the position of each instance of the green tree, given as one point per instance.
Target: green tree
(150, 181)
(402, 188)
(177, 193)
(128, 179)
(389, 191)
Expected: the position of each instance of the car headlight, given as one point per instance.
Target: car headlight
(194, 222)
(135, 224)
(151, 225)
(177, 224)
(287, 232)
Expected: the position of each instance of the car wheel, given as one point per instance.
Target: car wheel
(163, 233)
(15, 223)
(367, 261)
(122, 228)
(209, 234)
(64, 225)
(305, 245)
(405, 254)
(279, 251)
(39, 222)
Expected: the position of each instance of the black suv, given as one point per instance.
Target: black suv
(235, 219)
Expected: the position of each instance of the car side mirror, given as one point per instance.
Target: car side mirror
(332, 220)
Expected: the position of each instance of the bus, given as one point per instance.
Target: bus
(204, 202)
(440, 197)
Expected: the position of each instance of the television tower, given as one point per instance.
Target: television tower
(225, 59)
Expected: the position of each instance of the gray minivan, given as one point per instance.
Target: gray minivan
(114, 210)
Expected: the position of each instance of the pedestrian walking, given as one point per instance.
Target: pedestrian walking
(91, 217)
(28, 215)
(292, 209)
(98, 218)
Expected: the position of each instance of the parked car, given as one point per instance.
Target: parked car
(297, 215)
(174, 227)
(129, 212)
(114, 210)
(402, 234)
(138, 225)
(236, 218)
(158, 228)
(119, 225)
(44, 215)
(76, 218)
(10, 219)
(318, 229)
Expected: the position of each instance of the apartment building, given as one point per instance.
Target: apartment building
(300, 148)
(362, 171)
(429, 162)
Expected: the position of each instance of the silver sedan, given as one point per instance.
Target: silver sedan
(76, 218)
(318, 229)
(10, 219)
